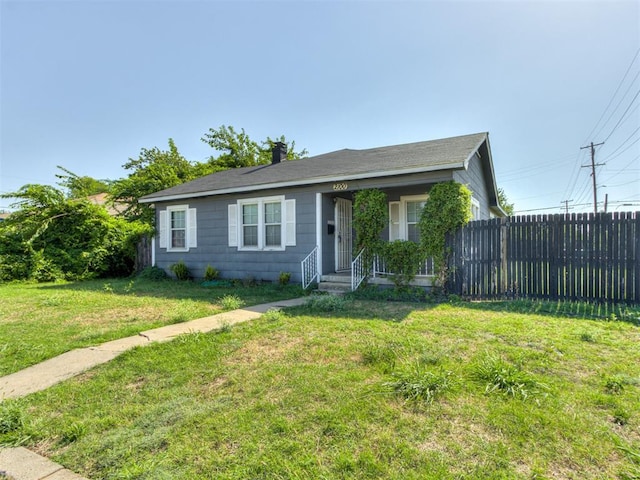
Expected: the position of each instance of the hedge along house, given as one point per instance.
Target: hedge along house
(296, 216)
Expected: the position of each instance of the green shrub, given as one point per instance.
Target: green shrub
(180, 270)
(153, 273)
(211, 273)
(403, 259)
(284, 278)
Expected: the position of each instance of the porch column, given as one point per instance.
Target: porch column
(319, 231)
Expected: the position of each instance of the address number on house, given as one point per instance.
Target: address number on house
(340, 186)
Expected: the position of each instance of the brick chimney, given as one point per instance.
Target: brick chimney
(279, 153)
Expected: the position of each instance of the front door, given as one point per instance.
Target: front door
(344, 235)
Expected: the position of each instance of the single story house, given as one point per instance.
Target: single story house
(296, 216)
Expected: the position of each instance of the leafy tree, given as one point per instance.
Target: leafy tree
(503, 201)
(81, 187)
(152, 171)
(52, 237)
(239, 150)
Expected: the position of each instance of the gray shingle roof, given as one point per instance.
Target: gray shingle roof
(431, 155)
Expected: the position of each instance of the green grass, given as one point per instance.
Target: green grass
(354, 389)
(40, 321)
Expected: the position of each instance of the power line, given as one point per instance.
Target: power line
(623, 115)
(591, 134)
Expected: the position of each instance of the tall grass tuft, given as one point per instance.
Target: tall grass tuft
(417, 384)
(500, 376)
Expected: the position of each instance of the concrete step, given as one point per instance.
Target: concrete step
(334, 287)
(336, 278)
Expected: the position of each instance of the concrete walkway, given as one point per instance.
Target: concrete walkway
(22, 464)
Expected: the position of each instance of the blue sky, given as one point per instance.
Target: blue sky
(87, 84)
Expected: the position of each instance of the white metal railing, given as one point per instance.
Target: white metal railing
(427, 269)
(359, 271)
(310, 268)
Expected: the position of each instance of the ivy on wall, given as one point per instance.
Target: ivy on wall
(447, 209)
(370, 217)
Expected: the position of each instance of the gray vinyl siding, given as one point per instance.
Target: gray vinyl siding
(213, 246)
(474, 178)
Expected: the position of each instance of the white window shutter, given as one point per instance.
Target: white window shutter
(394, 221)
(192, 228)
(290, 223)
(233, 225)
(162, 228)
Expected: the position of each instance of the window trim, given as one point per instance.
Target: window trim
(261, 202)
(403, 224)
(475, 204)
(190, 228)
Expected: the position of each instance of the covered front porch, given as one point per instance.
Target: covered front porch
(336, 264)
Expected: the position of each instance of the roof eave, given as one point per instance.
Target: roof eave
(300, 183)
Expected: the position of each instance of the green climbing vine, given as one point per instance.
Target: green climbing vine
(447, 209)
(370, 217)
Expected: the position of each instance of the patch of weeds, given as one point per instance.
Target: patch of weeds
(273, 315)
(633, 471)
(231, 302)
(587, 337)
(11, 417)
(500, 376)
(72, 432)
(224, 328)
(614, 385)
(327, 303)
(382, 356)
(621, 417)
(107, 288)
(418, 384)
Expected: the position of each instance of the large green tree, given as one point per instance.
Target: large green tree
(51, 236)
(238, 150)
(152, 171)
(503, 201)
(81, 186)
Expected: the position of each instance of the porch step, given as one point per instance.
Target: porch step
(334, 287)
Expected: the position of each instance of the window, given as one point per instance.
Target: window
(250, 225)
(414, 209)
(273, 224)
(475, 209)
(177, 229)
(262, 223)
(404, 218)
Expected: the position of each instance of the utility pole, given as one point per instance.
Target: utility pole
(593, 172)
(566, 206)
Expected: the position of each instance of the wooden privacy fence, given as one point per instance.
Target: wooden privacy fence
(571, 257)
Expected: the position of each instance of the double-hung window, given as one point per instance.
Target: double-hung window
(177, 229)
(404, 218)
(262, 223)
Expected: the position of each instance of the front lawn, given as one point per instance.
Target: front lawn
(355, 389)
(40, 321)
